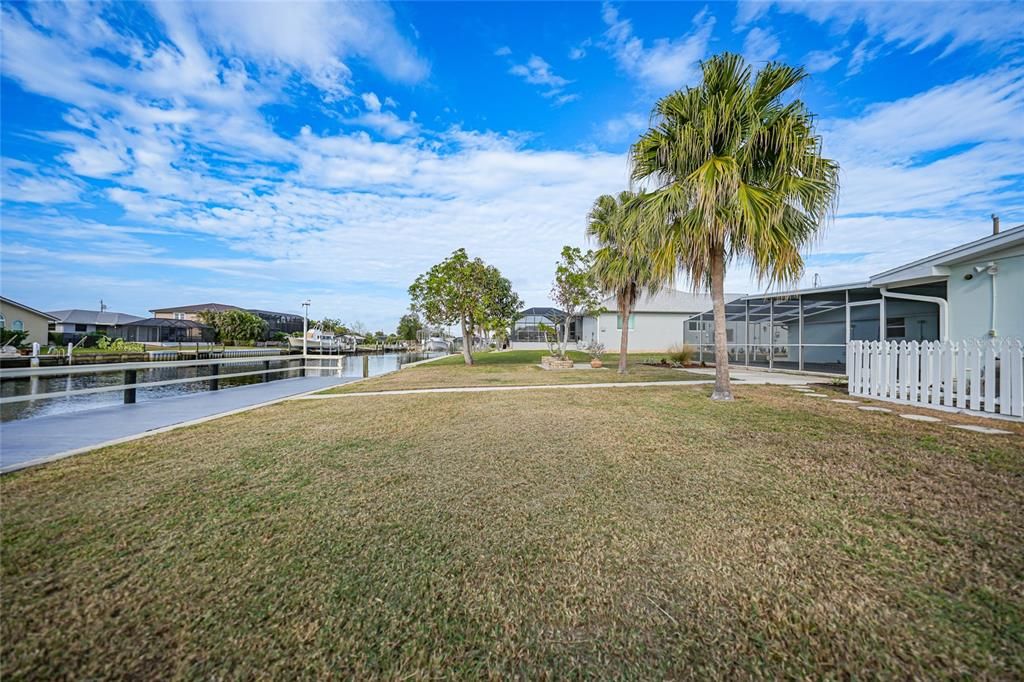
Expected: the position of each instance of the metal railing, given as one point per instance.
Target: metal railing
(353, 366)
(130, 372)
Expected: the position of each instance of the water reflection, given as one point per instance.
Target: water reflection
(347, 366)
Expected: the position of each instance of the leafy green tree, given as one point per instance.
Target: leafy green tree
(333, 325)
(463, 291)
(737, 172)
(500, 304)
(622, 263)
(10, 337)
(575, 291)
(234, 326)
(408, 326)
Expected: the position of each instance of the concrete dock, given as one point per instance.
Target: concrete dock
(27, 442)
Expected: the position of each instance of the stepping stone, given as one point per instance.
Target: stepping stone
(869, 408)
(920, 418)
(981, 429)
(844, 401)
(800, 388)
(816, 395)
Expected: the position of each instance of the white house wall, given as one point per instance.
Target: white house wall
(652, 332)
(970, 301)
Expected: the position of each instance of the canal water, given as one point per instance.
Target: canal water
(352, 366)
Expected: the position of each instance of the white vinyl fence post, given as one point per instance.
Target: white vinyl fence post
(1015, 368)
(990, 376)
(973, 350)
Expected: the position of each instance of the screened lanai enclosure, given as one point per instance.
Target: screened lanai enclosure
(532, 322)
(808, 330)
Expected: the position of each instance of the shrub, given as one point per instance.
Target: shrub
(119, 345)
(682, 354)
(595, 350)
(10, 337)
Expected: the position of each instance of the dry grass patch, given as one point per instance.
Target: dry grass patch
(512, 368)
(631, 533)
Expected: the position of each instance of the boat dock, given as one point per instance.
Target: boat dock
(36, 440)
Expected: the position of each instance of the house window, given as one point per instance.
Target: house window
(179, 316)
(18, 326)
(694, 325)
(896, 328)
(81, 328)
(632, 322)
(3, 321)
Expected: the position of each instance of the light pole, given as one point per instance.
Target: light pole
(305, 325)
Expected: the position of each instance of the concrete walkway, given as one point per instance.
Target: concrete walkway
(759, 376)
(27, 442)
(862, 405)
(487, 389)
(739, 376)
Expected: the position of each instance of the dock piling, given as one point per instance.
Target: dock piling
(129, 393)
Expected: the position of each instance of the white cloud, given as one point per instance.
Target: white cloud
(760, 46)
(503, 51)
(371, 101)
(536, 71)
(25, 182)
(622, 128)
(313, 38)
(910, 25)
(667, 63)
(923, 173)
(819, 61)
(578, 52)
(987, 107)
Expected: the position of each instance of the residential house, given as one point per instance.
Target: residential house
(655, 323)
(528, 329)
(972, 291)
(71, 325)
(19, 317)
(285, 323)
(159, 330)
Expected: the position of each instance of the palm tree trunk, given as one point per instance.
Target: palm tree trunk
(624, 337)
(722, 391)
(467, 352)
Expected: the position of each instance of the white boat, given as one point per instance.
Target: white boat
(435, 344)
(319, 340)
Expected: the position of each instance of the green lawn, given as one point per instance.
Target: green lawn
(514, 368)
(641, 533)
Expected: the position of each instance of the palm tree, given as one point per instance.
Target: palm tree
(622, 262)
(735, 172)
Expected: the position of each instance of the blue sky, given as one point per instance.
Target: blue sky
(261, 153)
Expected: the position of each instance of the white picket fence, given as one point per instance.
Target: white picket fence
(984, 376)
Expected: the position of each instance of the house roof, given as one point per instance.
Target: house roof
(671, 301)
(25, 307)
(810, 290)
(545, 312)
(272, 312)
(218, 308)
(164, 322)
(931, 267)
(76, 316)
(197, 308)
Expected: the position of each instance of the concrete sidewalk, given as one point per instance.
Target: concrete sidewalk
(765, 376)
(27, 442)
(486, 389)
(739, 376)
